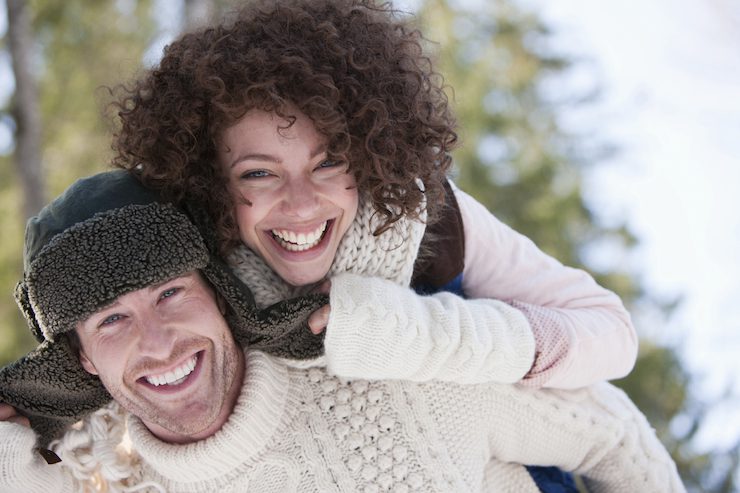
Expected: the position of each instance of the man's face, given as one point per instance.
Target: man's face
(166, 354)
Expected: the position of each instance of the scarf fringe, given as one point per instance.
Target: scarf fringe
(97, 453)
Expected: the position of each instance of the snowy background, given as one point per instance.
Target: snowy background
(670, 75)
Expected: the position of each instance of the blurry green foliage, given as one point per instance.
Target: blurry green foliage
(83, 46)
(514, 157)
(14, 338)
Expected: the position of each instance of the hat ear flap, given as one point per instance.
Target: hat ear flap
(49, 386)
(24, 303)
(204, 224)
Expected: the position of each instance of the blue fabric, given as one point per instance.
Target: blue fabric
(454, 286)
(547, 479)
(552, 480)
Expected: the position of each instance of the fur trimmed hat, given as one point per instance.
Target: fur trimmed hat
(106, 236)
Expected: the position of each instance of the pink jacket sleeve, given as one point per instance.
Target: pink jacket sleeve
(583, 334)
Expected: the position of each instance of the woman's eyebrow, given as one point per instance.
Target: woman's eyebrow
(259, 156)
(254, 156)
(319, 149)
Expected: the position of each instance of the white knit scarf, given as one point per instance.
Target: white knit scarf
(390, 255)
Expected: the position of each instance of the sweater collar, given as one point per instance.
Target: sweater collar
(243, 437)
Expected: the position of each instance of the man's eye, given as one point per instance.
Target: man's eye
(257, 173)
(167, 293)
(111, 319)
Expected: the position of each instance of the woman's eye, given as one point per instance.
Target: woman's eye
(258, 173)
(331, 163)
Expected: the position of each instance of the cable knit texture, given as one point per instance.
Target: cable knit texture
(22, 470)
(380, 330)
(304, 429)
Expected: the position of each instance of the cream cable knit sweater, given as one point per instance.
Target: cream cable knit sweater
(306, 430)
(381, 330)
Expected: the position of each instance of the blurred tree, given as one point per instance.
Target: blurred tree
(79, 48)
(87, 47)
(20, 174)
(27, 158)
(518, 160)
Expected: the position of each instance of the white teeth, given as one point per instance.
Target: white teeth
(299, 242)
(174, 377)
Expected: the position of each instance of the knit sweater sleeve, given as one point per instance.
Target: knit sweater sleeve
(380, 330)
(22, 469)
(582, 331)
(596, 432)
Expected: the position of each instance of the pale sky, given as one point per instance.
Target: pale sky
(670, 71)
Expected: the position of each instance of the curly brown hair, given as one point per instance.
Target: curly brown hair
(356, 68)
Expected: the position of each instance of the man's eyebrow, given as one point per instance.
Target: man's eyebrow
(110, 305)
(156, 285)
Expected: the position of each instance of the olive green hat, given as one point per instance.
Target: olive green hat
(106, 236)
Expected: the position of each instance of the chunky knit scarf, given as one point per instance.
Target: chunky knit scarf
(390, 255)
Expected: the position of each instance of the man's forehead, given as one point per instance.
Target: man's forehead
(188, 276)
(191, 276)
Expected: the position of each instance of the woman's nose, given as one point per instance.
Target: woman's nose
(301, 198)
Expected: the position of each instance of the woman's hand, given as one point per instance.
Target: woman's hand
(8, 413)
(320, 318)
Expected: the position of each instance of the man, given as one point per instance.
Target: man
(131, 305)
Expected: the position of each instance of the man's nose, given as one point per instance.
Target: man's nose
(156, 338)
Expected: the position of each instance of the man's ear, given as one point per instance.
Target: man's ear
(221, 302)
(75, 345)
(86, 363)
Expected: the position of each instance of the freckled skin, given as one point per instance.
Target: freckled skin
(281, 179)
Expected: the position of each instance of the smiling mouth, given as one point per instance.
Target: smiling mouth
(299, 242)
(175, 376)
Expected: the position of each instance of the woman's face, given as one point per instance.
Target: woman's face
(293, 205)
